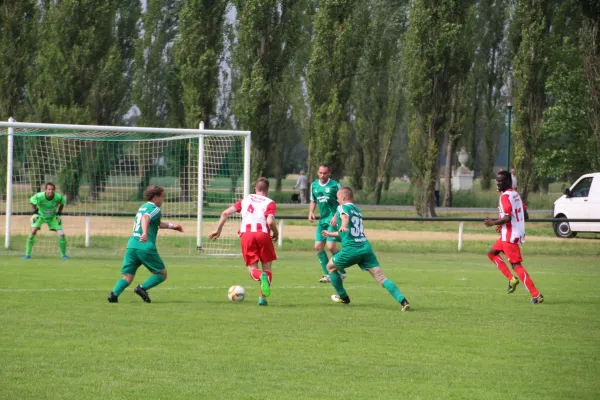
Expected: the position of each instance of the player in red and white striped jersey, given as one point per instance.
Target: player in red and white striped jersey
(257, 233)
(511, 226)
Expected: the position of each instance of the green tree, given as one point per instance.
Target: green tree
(491, 64)
(198, 52)
(432, 62)
(590, 42)
(18, 49)
(340, 29)
(565, 134)
(268, 36)
(85, 55)
(531, 30)
(156, 91)
(377, 97)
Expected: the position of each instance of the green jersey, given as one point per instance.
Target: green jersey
(354, 238)
(154, 213)
(326, 197)
(47, 208)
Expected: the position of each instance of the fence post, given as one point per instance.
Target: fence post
(461, 226)
(88, 230)
(280, 239)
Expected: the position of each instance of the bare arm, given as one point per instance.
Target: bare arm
(344, 227)
(273, 227)
(145, 225)
(224, 216)
(60, 209)
(500, 221)
(311, 211)
(345, 222)
(168, 225)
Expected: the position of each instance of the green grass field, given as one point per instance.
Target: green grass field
(465, 339)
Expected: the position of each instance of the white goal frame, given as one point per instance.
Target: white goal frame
(200, 133)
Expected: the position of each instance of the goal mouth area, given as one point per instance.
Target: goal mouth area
(103, 172)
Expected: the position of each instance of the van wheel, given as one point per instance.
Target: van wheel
(563, 229)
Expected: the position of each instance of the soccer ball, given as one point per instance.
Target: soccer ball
(236, 293)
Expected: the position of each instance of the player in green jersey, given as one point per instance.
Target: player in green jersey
(141, 248)
(356, 250)
(323, 193)
(47, 209)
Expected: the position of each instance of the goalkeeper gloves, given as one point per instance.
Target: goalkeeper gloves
(34, 218)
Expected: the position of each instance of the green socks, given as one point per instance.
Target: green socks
(153, 280)
(120, 286)
(62, 243)
(391, 287)
(29, 244)
(322, 256)
(336, 281)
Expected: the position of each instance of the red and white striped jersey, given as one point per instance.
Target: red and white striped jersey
(255, 209)
(510, 204)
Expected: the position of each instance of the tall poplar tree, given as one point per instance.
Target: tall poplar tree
(377, 95)
(340, 29)
(432, 51)
(268, 36)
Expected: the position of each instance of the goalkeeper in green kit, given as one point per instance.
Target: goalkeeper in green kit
(47, 209)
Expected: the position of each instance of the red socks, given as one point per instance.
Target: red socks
(526, 280)
(496, 259)
(269, 276)
(255, 274)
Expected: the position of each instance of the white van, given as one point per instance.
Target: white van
(582, 200)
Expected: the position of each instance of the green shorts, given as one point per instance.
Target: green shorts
(321, 226)
(365, 259)
(54, 224)
(134, 258)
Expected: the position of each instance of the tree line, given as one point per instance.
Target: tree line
(373, 88)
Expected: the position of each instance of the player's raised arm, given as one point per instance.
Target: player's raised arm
(224, 217)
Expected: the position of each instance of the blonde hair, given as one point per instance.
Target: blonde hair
(347, 192)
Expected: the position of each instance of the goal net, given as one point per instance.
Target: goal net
(103, 172)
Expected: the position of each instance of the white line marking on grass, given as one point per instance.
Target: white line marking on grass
(18, 290)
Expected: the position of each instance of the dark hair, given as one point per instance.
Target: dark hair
(152, 192)
(325, 165)
(506, 176)
(262, 185)
(50, 184)
(347, 191)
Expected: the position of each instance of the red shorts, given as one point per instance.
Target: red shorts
(257, 246)
(512, 251)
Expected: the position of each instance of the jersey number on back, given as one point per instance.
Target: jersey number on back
(138, 222)
(358, 228)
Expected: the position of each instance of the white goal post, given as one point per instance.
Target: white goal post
(103, 171)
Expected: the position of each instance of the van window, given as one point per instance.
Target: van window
(582, 189)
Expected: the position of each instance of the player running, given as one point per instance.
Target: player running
(511, 224)
(141, 248)
(323, 192)
(356, 250)
(47, 209)
(257, 234)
